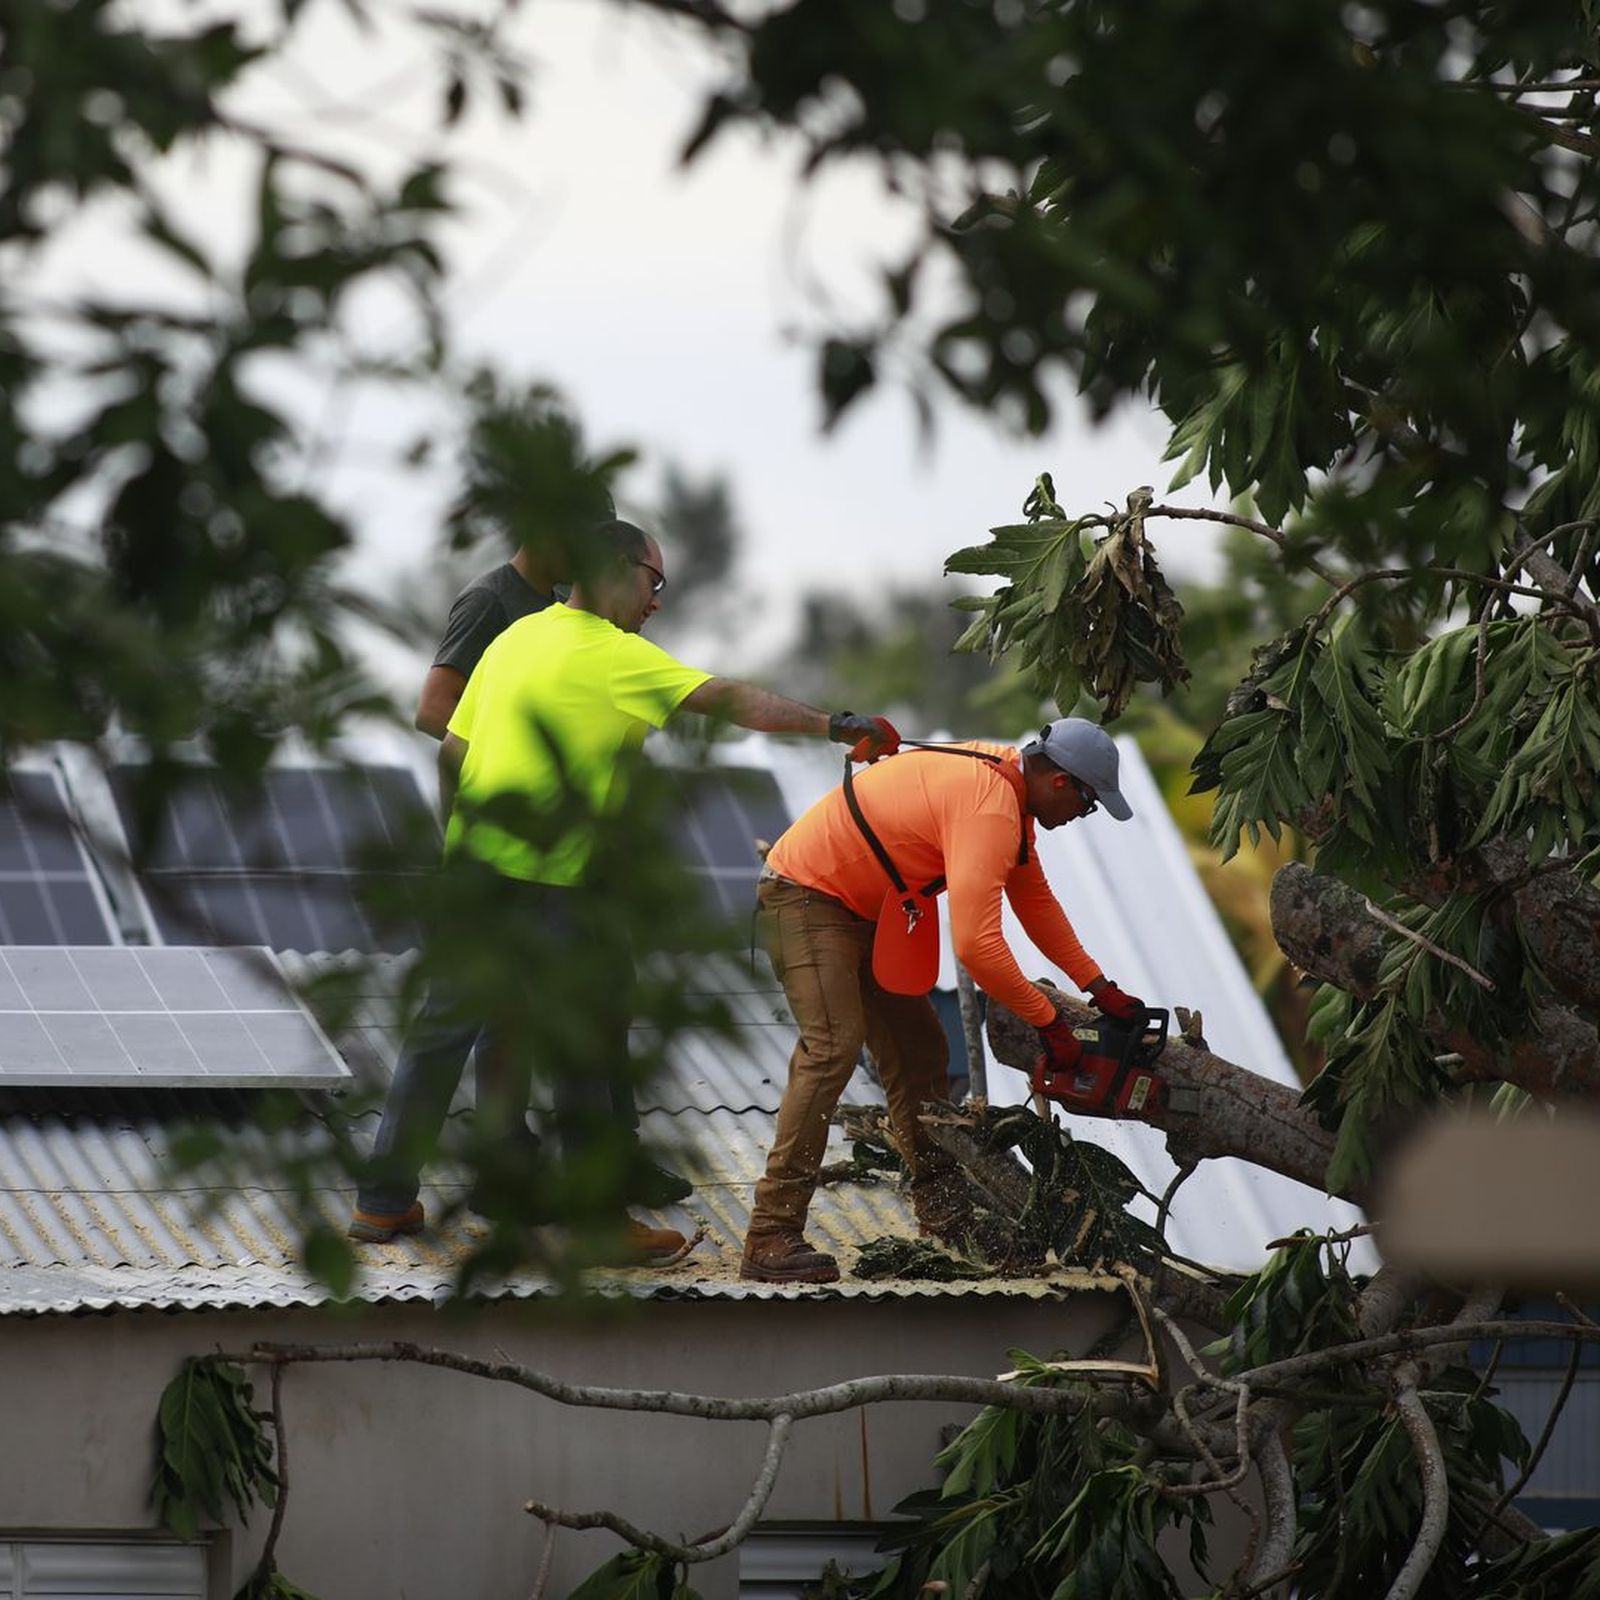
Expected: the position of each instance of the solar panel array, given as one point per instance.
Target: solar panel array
(284, 863)
(92, 1016)
(46, 889)
(722, 814)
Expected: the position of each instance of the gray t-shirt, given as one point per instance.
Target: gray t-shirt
(484, 610)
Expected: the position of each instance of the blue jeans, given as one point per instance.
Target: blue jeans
(435, 1054)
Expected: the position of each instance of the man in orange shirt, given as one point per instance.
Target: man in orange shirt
(968, 822)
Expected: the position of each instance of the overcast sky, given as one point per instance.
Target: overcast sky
(667, 305)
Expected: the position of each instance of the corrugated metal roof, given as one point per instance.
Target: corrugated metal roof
(89, 1219)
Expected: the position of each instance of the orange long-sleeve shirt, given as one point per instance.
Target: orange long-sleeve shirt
(952, 817)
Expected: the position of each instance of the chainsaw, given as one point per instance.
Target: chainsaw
(1114, 1073)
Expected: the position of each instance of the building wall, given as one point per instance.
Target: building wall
(408, 1483)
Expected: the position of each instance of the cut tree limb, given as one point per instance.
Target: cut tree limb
(1235, 1112)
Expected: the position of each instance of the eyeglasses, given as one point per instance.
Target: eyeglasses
(660, 578)
(1090, 803)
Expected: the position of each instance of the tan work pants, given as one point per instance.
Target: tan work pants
(822, 954)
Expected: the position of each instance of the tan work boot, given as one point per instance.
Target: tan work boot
(381, 1227)
(786, 1258)
(639, 1246)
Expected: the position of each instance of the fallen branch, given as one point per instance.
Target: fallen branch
(799, 1406)
(1424, 1438)
(1536, 1455)
(1396, 926)
(1407, 1341)
(1233, 520)
(1226, 1482)
(1325, 928)
(734, 1534)
(280, 1453)
(685, 1249)
(1272, 1562)
(541, 1578)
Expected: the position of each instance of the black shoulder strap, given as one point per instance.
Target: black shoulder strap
(885, 860)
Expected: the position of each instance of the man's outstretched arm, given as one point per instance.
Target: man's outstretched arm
(750, 706)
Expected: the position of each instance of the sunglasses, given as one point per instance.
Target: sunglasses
(659, 579)
(1089, 802)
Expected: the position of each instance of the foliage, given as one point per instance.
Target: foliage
(1038, 1506)
(889, 1257)
(1071, 1506)
(212, 1451)
(271, 1584)
(636, 1575)
(527, 479)
(1348, 251)
(1082, 617)
(1078, 1199)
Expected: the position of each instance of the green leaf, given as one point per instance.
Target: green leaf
(634, 1575)
(983, 1454)
(960, 1557)
(211, 1448)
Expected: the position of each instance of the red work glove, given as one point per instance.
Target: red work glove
(868, 737)
(1105, 996)
(1061, 1048)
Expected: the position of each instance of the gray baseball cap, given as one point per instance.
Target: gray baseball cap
(1089, 753)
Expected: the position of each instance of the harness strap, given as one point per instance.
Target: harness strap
(936, 885)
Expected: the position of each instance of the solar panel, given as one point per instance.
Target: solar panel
(47, 891)
(283, 863)
(96, 1017)
(722, 814)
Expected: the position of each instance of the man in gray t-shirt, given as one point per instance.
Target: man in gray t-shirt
(438, 1044)
(479, 615)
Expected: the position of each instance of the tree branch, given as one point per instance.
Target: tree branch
(1536, 1455)
(1409, 1341)
(1197, 514)
(1549, 586)
(280, 1446)
(798, 1406)
(1277, 1486)
(734, 1534)
(1424, 1438)
(1221, 1481)
(541, 1578)
(1396, 926)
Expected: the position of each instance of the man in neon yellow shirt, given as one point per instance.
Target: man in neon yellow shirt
(559, 704)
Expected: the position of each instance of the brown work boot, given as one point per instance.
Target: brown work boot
(786, 1258)
(639, 1246)
(381, 1227)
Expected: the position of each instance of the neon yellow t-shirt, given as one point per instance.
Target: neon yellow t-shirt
(560, 690)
